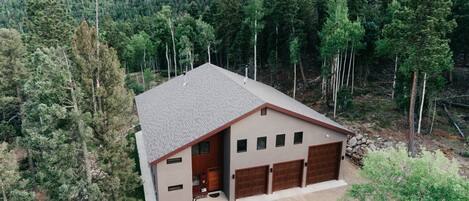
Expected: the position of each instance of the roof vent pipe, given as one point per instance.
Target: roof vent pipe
(245, 75)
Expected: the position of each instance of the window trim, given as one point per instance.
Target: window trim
(265, 143)
(246, 146)
(174, 160)
(277, 140)
(294, 137)
(175, 187)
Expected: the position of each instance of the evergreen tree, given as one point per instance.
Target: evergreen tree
(424, 26)
(117, 177)
(51, 129)
(11, 185)
(12, 76)
(48, 24)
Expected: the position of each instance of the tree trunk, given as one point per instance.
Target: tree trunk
(167, 61)
(208, 52)
(394, 78)
(255, 49)
(433, 117)
(97, 55)
(174, 47)
(81, 126)
(343, 68)
(190, 59)
(349, 65)
(294, 80)
(143, 77)
(353, 71)
(302, 71)
(421, 102)
(336, 81)
(411, 136)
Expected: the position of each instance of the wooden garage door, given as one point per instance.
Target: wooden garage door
(323, 162)
(287, 175)
(251, 181)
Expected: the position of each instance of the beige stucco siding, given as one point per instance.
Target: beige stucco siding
(270, 125)
(175, 174)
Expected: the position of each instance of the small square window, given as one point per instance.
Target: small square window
(174, 160)
(176, 187)
(263, 111)
(298, 138)
(242, 146)
(204, 147)
(261, 143)
(280, 140)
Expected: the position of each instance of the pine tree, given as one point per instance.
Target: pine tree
(424, 26)
(117, 177)
(48, 24)
(12, 76)
(51, 129)
(11, 185)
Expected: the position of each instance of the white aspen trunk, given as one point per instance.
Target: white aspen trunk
(190, 59)
(324, 82)
(143, 77)
(208, 52)
(294, 80)
(81, 126)
(349, 65)
(336, 82)
(255, 48)
(422, 102)
(97, 53)
(353, 71)
(174, 47)
(394, 78)
(167, 60)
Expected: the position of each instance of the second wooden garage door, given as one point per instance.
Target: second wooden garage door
(323, 162)
(287, 175)
(251, 181)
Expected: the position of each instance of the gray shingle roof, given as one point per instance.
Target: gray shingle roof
(174, 114)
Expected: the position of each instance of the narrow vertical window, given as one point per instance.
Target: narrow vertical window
(280, 140)
(263, 111)
(298, 138)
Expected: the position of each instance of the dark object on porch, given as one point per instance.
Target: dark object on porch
(214, 195)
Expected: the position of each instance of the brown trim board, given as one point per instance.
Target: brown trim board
(265, 105)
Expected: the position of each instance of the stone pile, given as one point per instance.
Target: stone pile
(359, 145)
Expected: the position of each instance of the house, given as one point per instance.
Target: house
(212, 130)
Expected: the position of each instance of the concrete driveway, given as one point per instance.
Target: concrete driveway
(350, 175)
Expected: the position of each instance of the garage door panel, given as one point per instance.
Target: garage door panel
(323, 162)
(251, 181)
(287, 175)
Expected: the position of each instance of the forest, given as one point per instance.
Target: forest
(69, 71)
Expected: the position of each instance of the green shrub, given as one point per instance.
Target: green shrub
(393, 175)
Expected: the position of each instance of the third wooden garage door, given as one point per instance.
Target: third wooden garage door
(251, 181)
(323, 162)
(287, 175)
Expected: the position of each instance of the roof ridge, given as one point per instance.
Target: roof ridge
(239, 84)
